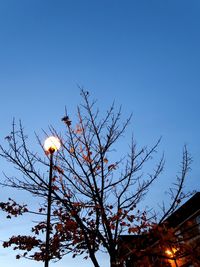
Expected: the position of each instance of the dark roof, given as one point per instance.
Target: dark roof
(189, 208)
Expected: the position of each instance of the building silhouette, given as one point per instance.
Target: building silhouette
(175, 243)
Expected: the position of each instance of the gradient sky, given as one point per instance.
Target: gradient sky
(143, 54)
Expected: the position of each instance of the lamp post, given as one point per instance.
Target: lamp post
(51, 145)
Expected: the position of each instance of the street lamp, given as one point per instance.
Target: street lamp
(51, 145)
(172, 254)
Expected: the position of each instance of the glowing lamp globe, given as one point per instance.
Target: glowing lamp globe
(169, 252)
(52, 144)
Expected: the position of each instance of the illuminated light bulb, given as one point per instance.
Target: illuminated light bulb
(51, 144)
(168, 252)
(172, 252)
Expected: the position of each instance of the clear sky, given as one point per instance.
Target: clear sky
(143, 54)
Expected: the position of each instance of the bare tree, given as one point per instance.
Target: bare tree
(94, 199)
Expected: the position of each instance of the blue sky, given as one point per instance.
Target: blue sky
(142, 54)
